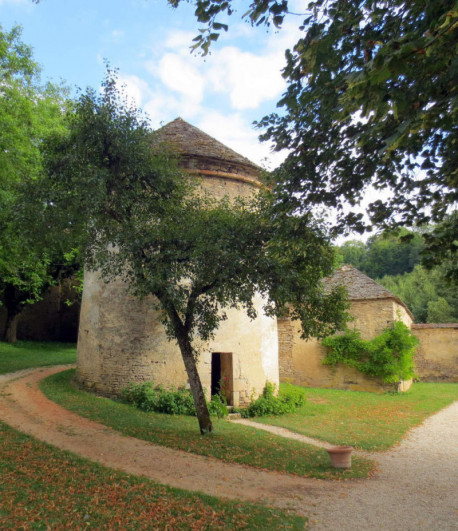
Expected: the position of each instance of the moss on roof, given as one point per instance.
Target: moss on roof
(188, 140)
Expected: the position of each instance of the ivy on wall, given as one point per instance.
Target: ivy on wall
(388, 356)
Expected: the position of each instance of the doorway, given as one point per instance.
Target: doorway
(222, 376)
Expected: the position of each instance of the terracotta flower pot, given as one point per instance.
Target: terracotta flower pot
(340, 456)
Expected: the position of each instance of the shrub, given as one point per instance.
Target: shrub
(288, 400)
(146, 397)
(218, 406)
(172, 401)
(388, 356)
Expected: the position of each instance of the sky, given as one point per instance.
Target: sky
(149, 42)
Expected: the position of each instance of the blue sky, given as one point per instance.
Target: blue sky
(150, 44)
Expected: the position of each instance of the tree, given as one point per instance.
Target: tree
(353, 252)
(143, 220)
(28, 111)
(440, 311)
(385, 254)
(371, 100)
(424, 293)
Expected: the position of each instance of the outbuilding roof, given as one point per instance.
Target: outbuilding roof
(359, 286)
(186, 139)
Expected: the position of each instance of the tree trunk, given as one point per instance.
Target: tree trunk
(10, 334)
(203, 416)
(181, 334)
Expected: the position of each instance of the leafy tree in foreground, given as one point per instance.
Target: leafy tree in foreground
(371, 99)
(28, 112)
(143, 220)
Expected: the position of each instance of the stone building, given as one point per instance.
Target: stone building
(121, 339)
(373, 308)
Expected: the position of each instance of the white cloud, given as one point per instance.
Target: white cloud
(247, 78)
(178, 39)
(236, 132)
(162, 107)
(182, 76)
(135, 89)
(214, 93)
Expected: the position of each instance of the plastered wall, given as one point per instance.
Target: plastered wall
(301, 361)
(121, 338)
(437, 353)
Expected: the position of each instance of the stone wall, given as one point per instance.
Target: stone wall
(301, 361)
(121, 339)
(50, 319)
(437, 354)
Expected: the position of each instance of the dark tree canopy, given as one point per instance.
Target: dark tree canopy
(371, 99)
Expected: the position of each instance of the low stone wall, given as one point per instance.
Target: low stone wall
(437, 353)
(301, 361)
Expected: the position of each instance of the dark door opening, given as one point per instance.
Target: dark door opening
(222, 376)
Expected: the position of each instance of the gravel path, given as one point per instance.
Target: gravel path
(415, 488)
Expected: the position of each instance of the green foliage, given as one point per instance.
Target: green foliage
(441, 248)
(440, 311)
(385, 254)
(287, 401)
(388, 356)
(425, 293)
(147, 397)
(218, 406)
(29, 112)
(371, 99)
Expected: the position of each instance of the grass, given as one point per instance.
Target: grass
(45, 488)
(25, 354)
(231, 442)
(368, 421)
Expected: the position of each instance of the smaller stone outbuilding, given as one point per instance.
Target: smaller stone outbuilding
(373, 308)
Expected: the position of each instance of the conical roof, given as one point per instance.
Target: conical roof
(188, 140)
(359, 286)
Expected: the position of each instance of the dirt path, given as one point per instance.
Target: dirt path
(414, 490)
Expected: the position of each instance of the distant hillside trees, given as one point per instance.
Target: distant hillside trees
(394, 262)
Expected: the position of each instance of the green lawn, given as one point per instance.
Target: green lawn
(42, 487)
(45, 488)
(230, 442)
(368, 421)
(25, 354)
